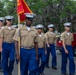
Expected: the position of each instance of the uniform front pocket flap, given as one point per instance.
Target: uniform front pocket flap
(6, 32)
(33, 35)
(23, 32)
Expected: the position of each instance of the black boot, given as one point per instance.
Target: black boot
(54, 67)
(71, 74)
(9, 73)
(0, 67)
(42, 74)
(47, 66)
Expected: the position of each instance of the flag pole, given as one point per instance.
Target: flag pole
(19, 44)
(22, 8)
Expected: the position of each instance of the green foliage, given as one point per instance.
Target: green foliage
(1, 8)
(48, 11)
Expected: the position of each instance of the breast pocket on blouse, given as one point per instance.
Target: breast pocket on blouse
(12, 32)
(67, 37)
(33, 35)
(71, 37)
(51, 36)
(23, 34)
(6, 32)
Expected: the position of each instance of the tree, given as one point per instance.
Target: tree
(1, 9)
(48, 11)
(8, 8)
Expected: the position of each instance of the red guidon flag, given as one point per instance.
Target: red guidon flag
(22, 8)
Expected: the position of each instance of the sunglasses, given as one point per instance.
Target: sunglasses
(68, 26)
(9, 20)
(30, 19)
(39, 28)
(51, 27)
